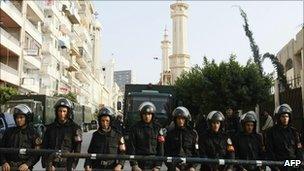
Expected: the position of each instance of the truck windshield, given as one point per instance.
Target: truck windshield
(162, 105)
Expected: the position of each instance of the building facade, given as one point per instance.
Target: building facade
(21, 43)
(124, 77)
(291, 57)
(52, 47)
(114, 92)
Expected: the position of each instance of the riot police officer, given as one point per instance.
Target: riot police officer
(21, 136)
(215, 143)
(146, 138)
(282, 140)
(231, 121)
(248, 143)
(106, 140)
(181, 141)
(63, 134)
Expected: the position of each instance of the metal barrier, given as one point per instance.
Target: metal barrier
(58, 153)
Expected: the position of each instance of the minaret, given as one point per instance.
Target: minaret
(165, 46)
(179, 60)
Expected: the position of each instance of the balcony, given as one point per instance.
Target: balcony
(75, 82)
(37, 7)
(32, 59)
(65, 59)
(294, 82)
(33, 31)
(9, 74)
(64, 42)
(30, 83)
(48, 26)
(49, 70)
(10, 42)
(84, 53)
(65, 79)
(73, 65)
(49, 49)
(51, 9)
(10, 9)
(74, 49)
(80, 75)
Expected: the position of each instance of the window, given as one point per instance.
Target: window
(288, 64)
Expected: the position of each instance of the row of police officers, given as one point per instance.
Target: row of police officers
(148, 138)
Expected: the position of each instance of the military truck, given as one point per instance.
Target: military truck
(43, 109)
(162, 97)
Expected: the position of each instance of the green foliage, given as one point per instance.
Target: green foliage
(71, 96)
(254, 47)
(279, 68)
(257, 57)
(215, 86)
(6, 94)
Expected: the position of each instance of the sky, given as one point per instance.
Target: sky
(132, 31)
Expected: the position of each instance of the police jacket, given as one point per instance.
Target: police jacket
(283, 143)
(16, 137)
(105, 143)
(215, 146)
(144, 140)
(66, 137)
(248, 147)
(232, 125)
(182, 142)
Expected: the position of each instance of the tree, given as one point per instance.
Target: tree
(257, 56)
(71, 96)
(6, 94)
(215, 86)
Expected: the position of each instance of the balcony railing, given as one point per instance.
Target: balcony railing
(8, 69)
(12, 7)
(9, 36)
(33, 30)
(294, 83)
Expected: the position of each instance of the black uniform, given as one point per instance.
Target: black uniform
(215, 146)
(20, 138)
(182, 142)
(283, 144)
(248, 147)
(144, 141)
(105, 143)
(65, 137)
(202, 125)
(232, 125)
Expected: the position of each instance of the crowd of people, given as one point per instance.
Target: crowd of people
(217, 136)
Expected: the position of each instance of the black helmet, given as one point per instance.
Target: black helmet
(106, 111)
(282, 109)
(181, 111)
(248, 117)
(147, 107)
(63, 102)
(215, 116)
(23, 109)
